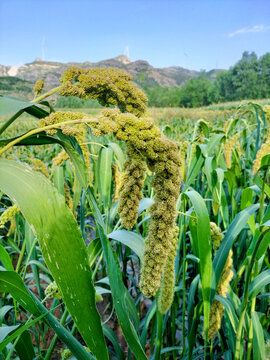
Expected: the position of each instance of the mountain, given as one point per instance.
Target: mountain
(143, 73)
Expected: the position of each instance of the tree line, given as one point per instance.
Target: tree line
(249, 78)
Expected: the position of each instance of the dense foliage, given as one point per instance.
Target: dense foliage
(91, 222)
(249, 78)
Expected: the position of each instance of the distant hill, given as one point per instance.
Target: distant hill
(143, 73)
(14, 86)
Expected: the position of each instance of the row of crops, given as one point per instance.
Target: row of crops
(124, 238)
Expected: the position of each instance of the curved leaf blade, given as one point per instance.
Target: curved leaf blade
(239, 222)
(130, 239)
(204, 247)
(59, 236)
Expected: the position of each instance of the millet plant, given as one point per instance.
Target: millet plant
(93, 223)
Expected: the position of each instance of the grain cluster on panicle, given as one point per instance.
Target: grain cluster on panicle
(39, 85)
(264, 150)
(229, 146)
(53, 291)
(78, 130)
(108, 86)
(68, 197)
(131, 186)
(266, 110)
(147, 148)
(146, 143)
(39, 165)
(116, 180)
(8, 214)
(59, 117)
(60, 158)
(217, 309)
(166, 292)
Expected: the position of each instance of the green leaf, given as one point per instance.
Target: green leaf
(259, 182)
(233, 230)
(3, 311)
(120, 294)
(131, 239)
(30, 240)
(37, 139)
(258, 338)
(258, 283)
(105, 175)
(191, 299)
(263, 245)
(80, 167)
(21, 330)
(11, 282)
(10, 105)
(113, 339)
(246, 200)
(100, 290)
(230, 311)
(211, 146)
(208, 168)
(118, 153)
(193, 330)
(94, 250)
(146, 322)
(204, 248)
(59, 237)
(144, 204)
(194, 168)
(24, 347)
(5, 330)
(59, 179)
(4, 257)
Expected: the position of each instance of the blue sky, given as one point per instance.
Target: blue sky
(194, 34)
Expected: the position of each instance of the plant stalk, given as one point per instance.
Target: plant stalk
(45, 95)
(245, 298)
(253, 304)
(158, 346)
(21, 256)
(44, 128)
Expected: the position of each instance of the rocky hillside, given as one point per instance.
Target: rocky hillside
(143, 73)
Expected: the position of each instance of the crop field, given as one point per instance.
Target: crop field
(133, 233)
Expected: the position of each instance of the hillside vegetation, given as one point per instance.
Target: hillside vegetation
(249, 78)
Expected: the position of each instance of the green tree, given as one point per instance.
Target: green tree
(196, 92)
(264, 76)
(249, 78)
(245, 77)
(163, 96)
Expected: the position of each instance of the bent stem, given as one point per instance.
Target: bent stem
(38, 99)
(47, 94)
(36, 131)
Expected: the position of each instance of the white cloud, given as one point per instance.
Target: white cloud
(252, 29)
